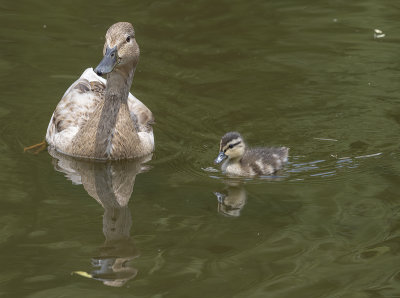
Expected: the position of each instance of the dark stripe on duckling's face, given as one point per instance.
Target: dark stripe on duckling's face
(222, 155)
(231, 146)
(229, 137)
(227, 146)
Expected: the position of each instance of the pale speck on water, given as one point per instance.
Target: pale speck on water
(379, 33)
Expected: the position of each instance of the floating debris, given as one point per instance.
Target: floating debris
(378, 34)
(82, 273)
(324, 139)
(369, 155)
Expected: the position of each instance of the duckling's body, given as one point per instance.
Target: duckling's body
(98, 118)
(257, 161)
(243, 161)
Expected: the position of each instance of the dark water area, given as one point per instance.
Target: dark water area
(304, 74)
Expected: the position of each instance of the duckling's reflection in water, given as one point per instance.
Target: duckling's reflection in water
(232, 199)
(111, 185)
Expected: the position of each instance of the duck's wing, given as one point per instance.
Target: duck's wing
(75, 107)
(140, 114)
(143, 120)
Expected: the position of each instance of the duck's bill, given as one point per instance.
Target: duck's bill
(221, 157)
(108, 62)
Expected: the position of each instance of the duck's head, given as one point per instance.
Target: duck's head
(120, 49)
(232, 146)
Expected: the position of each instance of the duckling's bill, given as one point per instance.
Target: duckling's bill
(108, 62)
(221, 157)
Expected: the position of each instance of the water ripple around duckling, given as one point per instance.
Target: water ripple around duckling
(298, 169)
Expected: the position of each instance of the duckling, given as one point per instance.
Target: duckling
(243, 161)
(98, 118)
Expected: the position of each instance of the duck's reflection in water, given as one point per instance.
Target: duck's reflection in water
(111, 185)
(232, 199)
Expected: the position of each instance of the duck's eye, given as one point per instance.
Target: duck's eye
(230, 146)
(128, 39)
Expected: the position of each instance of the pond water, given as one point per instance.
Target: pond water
(308, 75)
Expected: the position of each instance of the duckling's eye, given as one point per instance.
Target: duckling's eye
(230, 146)
(128, 39)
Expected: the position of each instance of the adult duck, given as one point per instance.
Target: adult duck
(98, 118)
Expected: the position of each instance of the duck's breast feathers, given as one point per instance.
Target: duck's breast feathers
(80, 100)
(140, 114)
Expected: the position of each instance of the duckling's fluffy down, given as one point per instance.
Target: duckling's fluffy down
(264, 161)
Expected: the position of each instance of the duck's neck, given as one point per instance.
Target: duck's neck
(119, 83)
(115, 107)
(110, 127)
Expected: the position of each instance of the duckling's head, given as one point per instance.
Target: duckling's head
(232, 146)
(120, 49)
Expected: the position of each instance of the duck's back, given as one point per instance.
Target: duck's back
(264, 161)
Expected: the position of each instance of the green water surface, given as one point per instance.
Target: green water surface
(305, 74)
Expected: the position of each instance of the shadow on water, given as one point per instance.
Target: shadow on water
(111, 185)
